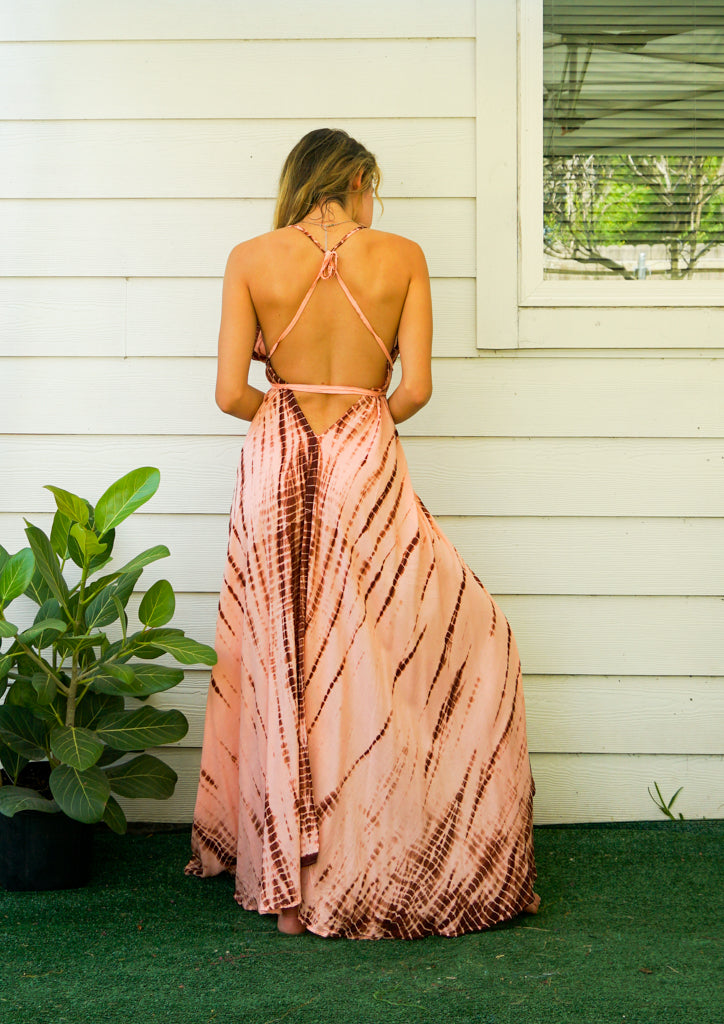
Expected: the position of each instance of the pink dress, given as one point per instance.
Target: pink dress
(364, 751)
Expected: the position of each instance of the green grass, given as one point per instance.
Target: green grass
(630, 931)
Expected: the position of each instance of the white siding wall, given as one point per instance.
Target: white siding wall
(140, 143)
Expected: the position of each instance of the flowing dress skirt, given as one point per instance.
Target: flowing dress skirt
(364, 751)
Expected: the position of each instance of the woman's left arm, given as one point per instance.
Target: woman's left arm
(237, 335)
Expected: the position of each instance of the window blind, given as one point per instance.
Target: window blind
(633, 151)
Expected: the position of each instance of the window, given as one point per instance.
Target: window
(600, 163)
(633, 140)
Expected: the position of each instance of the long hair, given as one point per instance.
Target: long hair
(319, 170)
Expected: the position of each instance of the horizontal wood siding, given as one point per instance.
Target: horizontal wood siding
(214, 159)
(192, 237)
(238, 78)
(56, 20)
(496, 397)
(582, 482)
(155, 316)
(453, 476)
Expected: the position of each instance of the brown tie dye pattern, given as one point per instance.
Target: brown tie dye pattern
(364, 751)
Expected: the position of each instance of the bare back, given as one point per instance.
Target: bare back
(330, 344)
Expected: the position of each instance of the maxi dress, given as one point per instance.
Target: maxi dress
(364, 750)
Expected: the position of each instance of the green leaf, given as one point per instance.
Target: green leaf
(21, 730)
(143, 776)
(16, 574)
(109, 683)
(182, 648)
(22, 693)
(87, 540)
(12, 762)
(49, 609)
(671, 802)
(146, 679)
(132, 568)
(50, 713)
(45, 687)
(19, 798)
(74, 550)
(124, 496)
(45, 713)
(76, 746)
(38, 591)
(145, 651)
(144, 558)
(124, 673)
(110, 755)
(43, 632)
(4, 555)
(103, 557)
(121, 614)
(93, 706)
(75, 508)
(66, 644)
(102, 610)
(47, 562)
(158, 604)
(114, 817)
(24, 665)
(83, 545)
(7, 628)
(136, 644)
(155, 678)
(59, 534)
(143, 727)
(81, 795)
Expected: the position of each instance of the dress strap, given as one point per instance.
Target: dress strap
(305, 232)
(353, 231)
(357, 227)
(298, 313)
(364, 320)
(328, 389)
(329, 269)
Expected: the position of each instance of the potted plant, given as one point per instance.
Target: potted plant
(68, 741)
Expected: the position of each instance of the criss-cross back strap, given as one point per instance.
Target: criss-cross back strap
(300, 227)
(329, 269)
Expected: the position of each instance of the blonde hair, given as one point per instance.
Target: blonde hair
(319, 170)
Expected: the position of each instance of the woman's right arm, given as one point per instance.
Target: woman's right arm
(237, 337)
(414, 338)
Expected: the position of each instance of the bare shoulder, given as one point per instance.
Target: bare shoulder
(401, 247)
(246, 257)
(250, 248)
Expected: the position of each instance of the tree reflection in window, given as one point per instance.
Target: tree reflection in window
(633, 173)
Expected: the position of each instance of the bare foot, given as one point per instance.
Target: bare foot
(532, 907)
(288, 922)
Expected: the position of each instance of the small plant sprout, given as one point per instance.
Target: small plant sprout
(663, 806)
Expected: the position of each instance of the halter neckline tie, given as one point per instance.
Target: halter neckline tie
(328, 269)
(329, 264)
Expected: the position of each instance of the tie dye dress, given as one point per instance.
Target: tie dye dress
(364, 750)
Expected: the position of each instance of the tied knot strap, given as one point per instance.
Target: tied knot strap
(327, 270)
(329, 264)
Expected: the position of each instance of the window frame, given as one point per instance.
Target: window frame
(517, 307)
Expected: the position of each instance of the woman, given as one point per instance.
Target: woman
(364, 769)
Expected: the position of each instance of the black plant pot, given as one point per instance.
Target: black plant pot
(44, 851)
